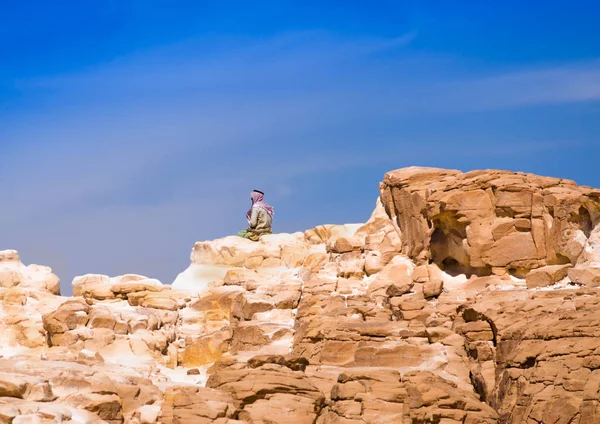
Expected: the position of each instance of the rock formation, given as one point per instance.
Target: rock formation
(485, 221)
(465, 298)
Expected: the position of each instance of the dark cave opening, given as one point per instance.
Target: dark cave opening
(585, 221)
(448, 254)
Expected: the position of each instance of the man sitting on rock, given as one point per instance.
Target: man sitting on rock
(259, 217)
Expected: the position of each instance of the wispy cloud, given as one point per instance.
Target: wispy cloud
(552, 85)
(236, 63)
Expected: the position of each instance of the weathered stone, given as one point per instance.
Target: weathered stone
(433, 288)
(12, 386)
(422, 314)
(546, 276)
(393, 280)
(589, 276)
(506, 219)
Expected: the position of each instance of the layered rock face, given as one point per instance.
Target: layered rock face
(486, 220)
(465, 298)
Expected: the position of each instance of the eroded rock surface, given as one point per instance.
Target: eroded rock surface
(465, 298)
(482, 220)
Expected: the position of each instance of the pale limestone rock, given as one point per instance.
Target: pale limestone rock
(9, 256)
(200, 277)
(14, 274)
(149, 414)
(234, 251)
(87, 283)
(374, 262)
(95, 287)
(212, 260)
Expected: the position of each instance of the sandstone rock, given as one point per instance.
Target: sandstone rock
(422, 314)
(10, 278)
(86, 284)
(326, 234)
(159, 302)
(14, 274)
(12, 386)
(7, 256)
(345, 244)
(280, 408)
(170, 300)
(393, 280)
(249, 305)
(68, 316)
(377, 397)
(420, 274)
(211, 260)
(239, 276)
(14, 297)
(283, 395)
(126, 284)
(589, 276)
(105, 406)
(236, 251)
(436, 334)
(546, 276)
(511, 220)
(206, 350)
(197, 405)
(433, 288)
(350, 265)
(374, 262)
(293, 363)
(537, 358)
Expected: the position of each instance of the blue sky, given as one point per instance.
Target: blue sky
(129, 130)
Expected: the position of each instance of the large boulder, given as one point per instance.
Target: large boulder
(546, 276)
(483, 220)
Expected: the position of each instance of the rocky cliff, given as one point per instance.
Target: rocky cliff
(465, 298)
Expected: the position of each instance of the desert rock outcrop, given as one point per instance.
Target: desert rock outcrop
(464, 298)
(481, 221)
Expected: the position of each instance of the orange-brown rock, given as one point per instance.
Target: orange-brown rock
(270, 393)
(385, 397)
(543, 357)
(546, 276)
(197, 405)
(433, 288)
(483, 219)
(588, 276)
